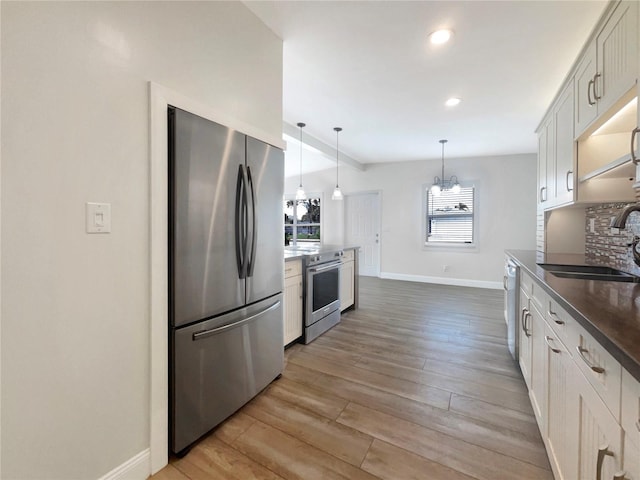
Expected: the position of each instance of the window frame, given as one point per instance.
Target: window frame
(294, 240)
(456, 246)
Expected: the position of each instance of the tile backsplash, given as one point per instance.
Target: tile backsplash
(606, 247)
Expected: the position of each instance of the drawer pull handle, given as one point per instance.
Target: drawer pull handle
(620, 476)
(602, 452)
(595, 368)
(547, 340)
(554, 315)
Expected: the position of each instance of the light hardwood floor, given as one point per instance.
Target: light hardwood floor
(416, 384)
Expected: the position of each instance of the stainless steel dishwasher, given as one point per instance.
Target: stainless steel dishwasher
(511, 286)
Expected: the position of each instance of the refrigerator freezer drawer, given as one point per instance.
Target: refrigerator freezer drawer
(220, 364)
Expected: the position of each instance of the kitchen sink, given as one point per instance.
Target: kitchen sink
(589, 272)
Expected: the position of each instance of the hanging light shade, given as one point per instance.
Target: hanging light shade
(300, 195)
(440, 184)
(337, 193)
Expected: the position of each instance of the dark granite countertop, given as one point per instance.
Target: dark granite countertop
(610, 311)
(301, 251)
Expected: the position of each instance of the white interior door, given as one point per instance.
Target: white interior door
(362, 228)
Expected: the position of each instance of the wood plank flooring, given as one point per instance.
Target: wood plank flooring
(415, 384)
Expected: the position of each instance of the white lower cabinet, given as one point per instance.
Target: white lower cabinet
(347, 280)
(630, 460)
(524, 344)
(561, 434)
(599, 444)
(292, 301)
(586, 404)
(537, 393)
(630, 421)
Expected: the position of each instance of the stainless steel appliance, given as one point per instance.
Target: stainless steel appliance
(322, 300)
(511, 287)
(225, 272)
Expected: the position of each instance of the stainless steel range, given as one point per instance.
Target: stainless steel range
(322, 299)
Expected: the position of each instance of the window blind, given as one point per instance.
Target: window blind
(450, 216)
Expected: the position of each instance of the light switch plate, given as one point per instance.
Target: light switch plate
(98, 217)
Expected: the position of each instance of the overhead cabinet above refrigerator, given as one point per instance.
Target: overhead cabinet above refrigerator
(225, 272)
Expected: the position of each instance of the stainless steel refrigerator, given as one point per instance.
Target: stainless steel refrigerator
(225, 272)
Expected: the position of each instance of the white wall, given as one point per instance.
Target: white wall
(75, 307)
(506, 204)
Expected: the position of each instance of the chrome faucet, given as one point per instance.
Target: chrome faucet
(621, 219)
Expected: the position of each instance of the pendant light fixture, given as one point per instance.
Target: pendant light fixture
(337, 194)
(300, 195)
(440, 184)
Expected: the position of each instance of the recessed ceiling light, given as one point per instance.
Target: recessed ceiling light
(452, 102)
(440, 36)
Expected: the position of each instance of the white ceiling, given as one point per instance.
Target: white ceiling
(366, 66)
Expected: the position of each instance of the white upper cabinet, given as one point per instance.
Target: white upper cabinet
(544, 139)
(556, 153)
(609, 68)
(617, 55)
(586, 106)
(584, 138)
(564, 146)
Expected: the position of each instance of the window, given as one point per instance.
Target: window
(302, 220)
(450, 217)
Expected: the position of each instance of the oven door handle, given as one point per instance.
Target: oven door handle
(325, 267)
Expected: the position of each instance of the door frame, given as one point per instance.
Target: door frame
(369, 192)
(159, 99)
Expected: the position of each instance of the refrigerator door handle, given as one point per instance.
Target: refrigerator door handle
(224, 328)
(240, 223)
(252, 249)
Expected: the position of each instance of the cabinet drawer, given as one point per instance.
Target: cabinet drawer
(598, 366)
(630, 412)
(526, 283)
(534, 291)
(348, 256)
(292, 268)
(559, 320)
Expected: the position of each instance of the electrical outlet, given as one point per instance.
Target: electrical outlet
(445, 268)
(592, 225)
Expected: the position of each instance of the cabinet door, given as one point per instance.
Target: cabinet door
(546, 164)
(600, 437)
(617, 53)
(564, 146)
(631, 460)
(561, 418)
(543, 192)
(346, 285)
(585, 103)
(524, 323)
(537, 394)
(292, 308)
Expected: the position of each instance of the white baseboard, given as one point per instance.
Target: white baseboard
(136, 468)
(460, 282)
